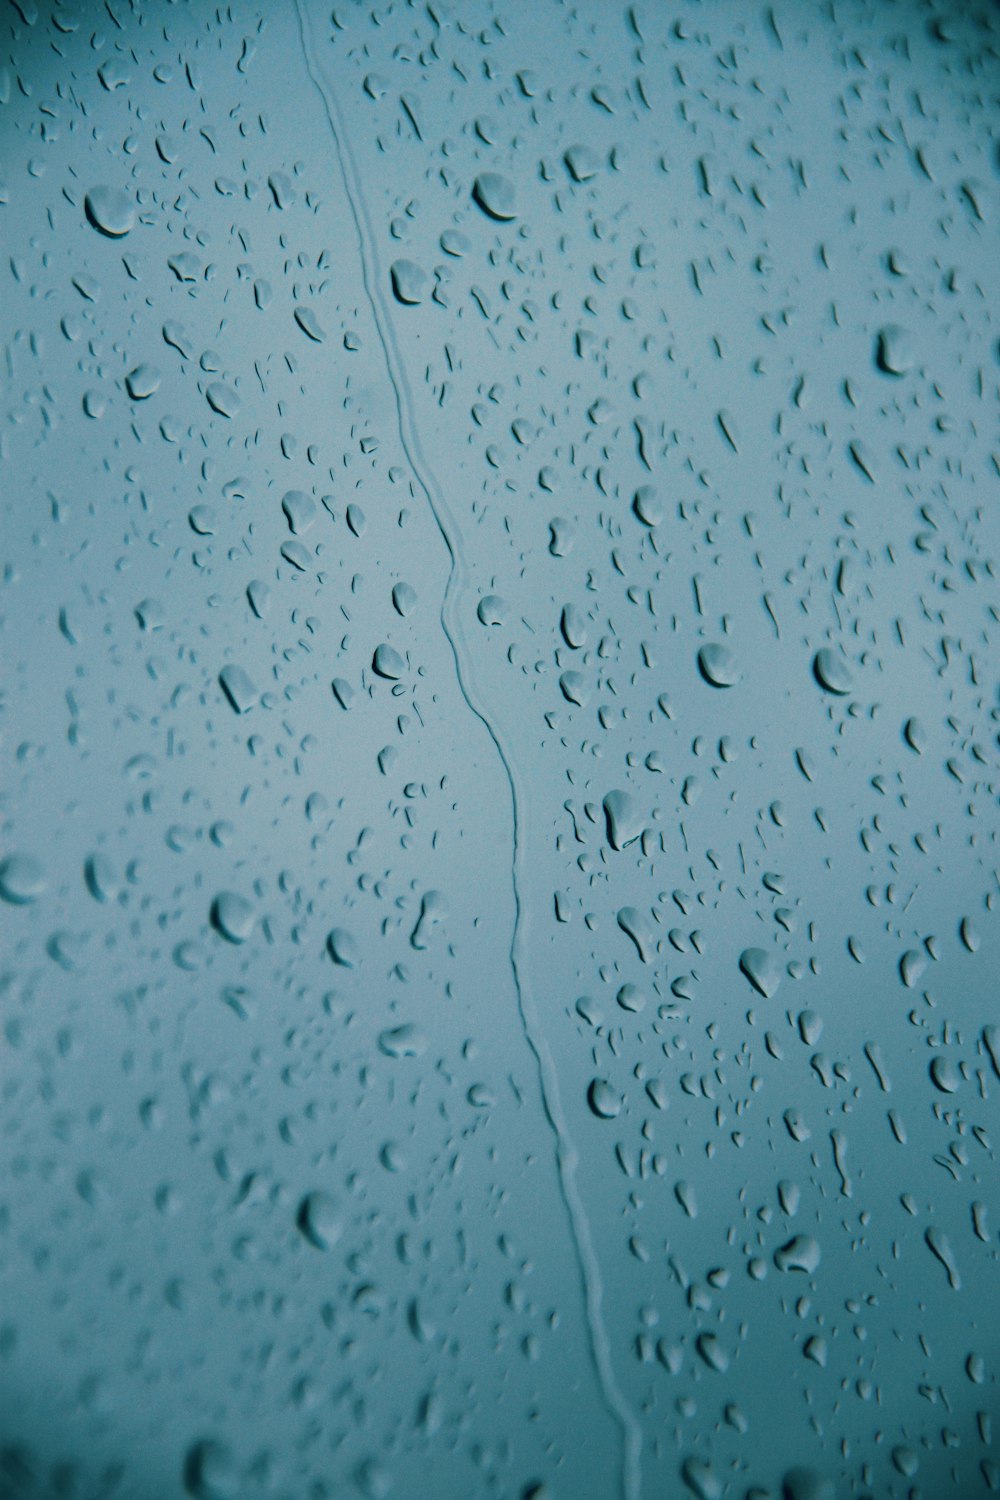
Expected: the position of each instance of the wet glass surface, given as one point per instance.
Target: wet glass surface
(498, 840)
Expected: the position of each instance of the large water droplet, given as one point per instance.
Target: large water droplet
(495, 195)
(319, 1220)
(342, 948)
(893, 353)
(232, 916)
(22, 879)
(717, 665)
(831, 671)
(388, 663)
(762, 969)
(210, 1471)
(110, 211)
(604, 1101)
(802, 1253)
(625, 821)
(409, 282)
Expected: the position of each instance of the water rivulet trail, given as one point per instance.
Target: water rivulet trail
(566, 1155)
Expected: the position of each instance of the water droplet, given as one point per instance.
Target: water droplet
(801, 1253)
(388, 663)
(573, 627)
(573, 686)
(433, 911)
(911, 966)
(893, 354)
(210, 1471)
(343, 692)
(238, 688)
(403, 1041)
(404, 599)
(581, 163)
(647, 506)
(232, 916)
(624, 817)
(944, 1075)
(222, 399)
(969, 935)
(143, 381)
(110, 211)
(631, 998)
(319, 1220)
(832, 672)
(803, 1483)
(454, 242)
(762, 969)
(309, 323)
(604, 1102)
(495, 196)
(492, 610)
(915, 735)
(717, 666)
(100, 878)
(300, 511)
(562, 536)
(940, 1247)
(342, 948)
(712, 1352)
(701, 1479)
(409, 282)
(22, 879)
(638, 927)
(259, 598)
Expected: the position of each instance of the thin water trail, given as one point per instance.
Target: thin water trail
(566, 1153)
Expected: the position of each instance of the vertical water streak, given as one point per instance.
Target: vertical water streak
(566, 1154)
